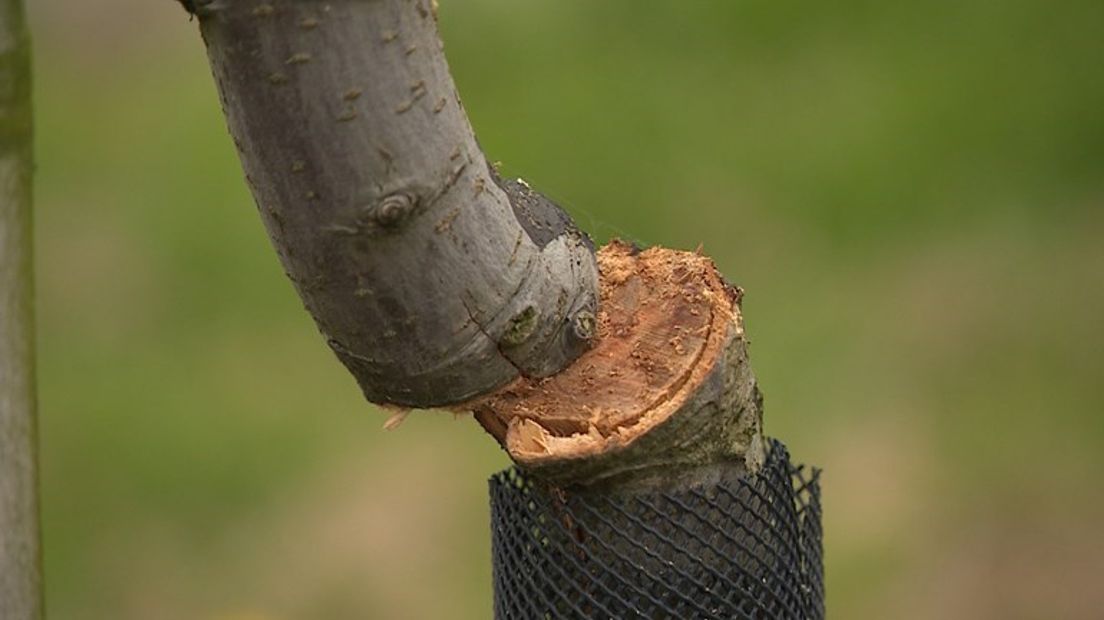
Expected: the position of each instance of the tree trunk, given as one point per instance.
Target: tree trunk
(438, 284)
(20, 564)
(431, 281)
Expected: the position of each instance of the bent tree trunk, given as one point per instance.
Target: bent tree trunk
(20, 572)
(439, 284)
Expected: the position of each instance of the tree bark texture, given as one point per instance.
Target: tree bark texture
(20, 563)
(432, 280)
(439, 284)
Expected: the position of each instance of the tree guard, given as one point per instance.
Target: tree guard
(733, 545)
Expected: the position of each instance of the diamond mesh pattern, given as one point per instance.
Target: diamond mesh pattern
(748, 548)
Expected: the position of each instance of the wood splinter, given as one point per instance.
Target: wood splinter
(666, 388)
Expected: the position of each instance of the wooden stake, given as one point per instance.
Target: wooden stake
(20, 562)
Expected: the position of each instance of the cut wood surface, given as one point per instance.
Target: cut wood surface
(666, 386)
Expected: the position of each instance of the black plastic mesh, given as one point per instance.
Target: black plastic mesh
(746, 548)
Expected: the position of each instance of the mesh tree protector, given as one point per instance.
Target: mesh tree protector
(741, 546)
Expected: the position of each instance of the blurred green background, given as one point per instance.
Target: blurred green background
(912, 195)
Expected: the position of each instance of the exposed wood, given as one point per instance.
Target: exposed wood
(432, 280)
(20, 562)
(666, 387)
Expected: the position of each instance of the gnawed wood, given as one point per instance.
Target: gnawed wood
(666, 386)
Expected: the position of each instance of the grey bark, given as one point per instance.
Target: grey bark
(431, 279)
(20, 563)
